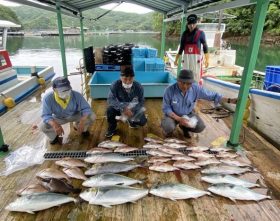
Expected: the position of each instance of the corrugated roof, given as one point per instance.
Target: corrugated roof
(73, 7)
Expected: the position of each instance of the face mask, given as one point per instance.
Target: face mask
(64, 94)
(127, 86)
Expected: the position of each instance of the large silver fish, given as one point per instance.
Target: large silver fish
(113, 167)
(162, 167)
(109, 179)
(38, 201)
(113, 195)
(220, 149)
(107, 157)
(224, 169)
(125, 149)
(226, 155)
(158, 160)
(235, 192)
(177, 191)
(216, 178)
(111, 144)
(70, 163)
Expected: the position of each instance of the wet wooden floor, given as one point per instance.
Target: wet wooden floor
(18, 132)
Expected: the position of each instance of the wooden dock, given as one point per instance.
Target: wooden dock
(264, 156)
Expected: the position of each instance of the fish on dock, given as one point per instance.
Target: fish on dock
(152, 146)
(204, 162)
(226, 155)
(153, 140)
(175, 145)
(158, 153)
(162, 167)
(111, 144)
(32, 188)
(225, 169)
(182, 158)
(107, 157)
(170, 151)
(59, 186)
(200, 155)
(218, 178)
(220, 149)
(158, 160)
(109, 179)
(177, 191)
(113, 167)
(75, 173)
(70, 163)
(174, 140)
(96, 150)
(49, 173)
(113, 195)
(185, 165)
(38, 201)
(234, 162)
(198, 149)
(125, 149)
(235, 192)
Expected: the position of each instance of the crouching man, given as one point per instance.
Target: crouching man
(63, 105)
(125, 102)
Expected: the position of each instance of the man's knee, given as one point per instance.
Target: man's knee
(168, 125)
(44, 127)
(199, 127)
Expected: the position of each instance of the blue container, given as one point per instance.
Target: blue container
(269, 86)
(139, 52)
(272, 74)
(107, 67)
(138, 64)
(151, 53)
(154, 83)
(154, 64)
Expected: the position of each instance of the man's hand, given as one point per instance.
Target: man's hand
(127, 112)
(57, 127)
(184, 122)
(176, 60)
(206, 60)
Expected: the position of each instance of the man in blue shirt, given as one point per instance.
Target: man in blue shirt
(179, 101)
(64, 105)
(125, 102)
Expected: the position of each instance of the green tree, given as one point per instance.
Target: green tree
(8, 14)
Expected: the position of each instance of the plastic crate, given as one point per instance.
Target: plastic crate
(154, 64)
(107, 67)
(138, 64)
(151, 53)
(139, 52)
(272, 74)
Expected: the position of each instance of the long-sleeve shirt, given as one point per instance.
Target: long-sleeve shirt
(188, 38)
(77, 104)
(119, 98)
(174, 100)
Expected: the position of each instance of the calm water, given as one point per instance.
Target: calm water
(45, 50)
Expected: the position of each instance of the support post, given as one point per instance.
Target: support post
(259, 19)
(82, 35)
(183, 27)
(61, 38)
(163, 33)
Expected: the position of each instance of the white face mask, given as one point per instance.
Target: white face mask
(64, 94)
(127, 86)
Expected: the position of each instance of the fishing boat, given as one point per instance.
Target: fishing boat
(18, 82)
(224, 76)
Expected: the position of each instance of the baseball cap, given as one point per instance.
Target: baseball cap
(192, 19)
(127, 72)
(61, 84)
(186, 76)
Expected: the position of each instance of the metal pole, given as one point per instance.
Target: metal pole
(61, 38)
(250, 63)
(82, 34)
(1, 138)
(183, 27)
(163, 32)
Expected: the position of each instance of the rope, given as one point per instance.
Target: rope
(217, 112)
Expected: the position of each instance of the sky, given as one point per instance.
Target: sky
(124, 7)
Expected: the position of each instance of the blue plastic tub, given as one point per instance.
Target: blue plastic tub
(154, 83)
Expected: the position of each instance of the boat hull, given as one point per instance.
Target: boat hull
(264, 108)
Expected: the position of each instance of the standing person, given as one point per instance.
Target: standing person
(179, 100)
(63, 105)
(125, 101)
(191, 41)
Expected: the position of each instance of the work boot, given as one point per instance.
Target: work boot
(55, 140)
(110, 133)
(132, 125)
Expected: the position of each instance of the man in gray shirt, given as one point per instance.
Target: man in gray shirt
(125, 101)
